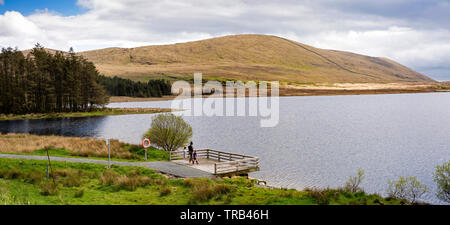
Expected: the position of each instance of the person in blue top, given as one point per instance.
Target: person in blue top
(195, 158)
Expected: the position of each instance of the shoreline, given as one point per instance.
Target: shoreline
(284, 91)
(98, 112)
(180, 187)
(294, 93)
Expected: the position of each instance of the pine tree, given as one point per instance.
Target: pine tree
(43, 82)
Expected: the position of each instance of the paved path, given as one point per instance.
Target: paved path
(170, 168)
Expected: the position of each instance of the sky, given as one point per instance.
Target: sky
(415, 33)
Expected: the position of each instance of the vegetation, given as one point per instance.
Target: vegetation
(442, 179)
(169, 132)
(75, 147)
(354, 182)
(92, 112)
(44, 83)
(408, 188)
(116, 86)
(249, 57)
(82, 183)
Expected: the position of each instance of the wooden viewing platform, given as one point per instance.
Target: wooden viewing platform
(219, 163)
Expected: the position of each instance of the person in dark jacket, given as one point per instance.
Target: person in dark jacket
(195, 160)
(191, 152)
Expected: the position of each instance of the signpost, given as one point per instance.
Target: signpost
(108, 143)
(50, 165)
(146, 144)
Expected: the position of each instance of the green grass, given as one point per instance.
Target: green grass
(154, 154)
(23, 182)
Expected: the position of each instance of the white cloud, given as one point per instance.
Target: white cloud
(413, 36)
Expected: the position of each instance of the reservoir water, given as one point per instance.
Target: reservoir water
(319, 142)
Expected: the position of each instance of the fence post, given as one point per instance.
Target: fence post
(170, 155)
(215, 168)
(48, 171)
(207, 153)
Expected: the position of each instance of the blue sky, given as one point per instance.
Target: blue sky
(27, 7)
(415, 33)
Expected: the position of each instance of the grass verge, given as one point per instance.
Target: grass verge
(23, 182)
(76, 147)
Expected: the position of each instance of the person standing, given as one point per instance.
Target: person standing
(195, 160)
(191, 152)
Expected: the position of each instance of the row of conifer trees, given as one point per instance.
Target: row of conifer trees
(43, 82)
(116, 86)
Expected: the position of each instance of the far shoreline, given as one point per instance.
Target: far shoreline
(323, 90)
(96, 112)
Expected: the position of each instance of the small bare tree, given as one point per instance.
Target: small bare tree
(169, 132)
(408, 188)
(354, 182)
(442, 179)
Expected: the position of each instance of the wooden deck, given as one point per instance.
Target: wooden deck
(218, 163)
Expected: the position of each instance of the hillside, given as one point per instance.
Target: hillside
(250, 57)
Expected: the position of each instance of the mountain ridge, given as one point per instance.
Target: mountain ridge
(250, 57)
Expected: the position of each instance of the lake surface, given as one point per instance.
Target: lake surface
(319, 142)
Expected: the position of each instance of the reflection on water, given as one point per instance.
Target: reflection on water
(320, 141)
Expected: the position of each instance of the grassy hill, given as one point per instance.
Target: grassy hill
(249, 57)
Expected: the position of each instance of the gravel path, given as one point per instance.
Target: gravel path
(170, 168)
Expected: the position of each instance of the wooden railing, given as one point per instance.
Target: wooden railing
(226, 162)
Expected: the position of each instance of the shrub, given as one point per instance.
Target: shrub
(127, 182)
(354, 182)
(409, 189)
(34, 177)
(320, 196)
(202, 192)
(13, 174)
(221, 189)
(79, 193)
(48, 188)
(189, 182)
(164, 191)
(169, 132)
(159, 181)
(442, 179)
(108, 177)
(72, 180)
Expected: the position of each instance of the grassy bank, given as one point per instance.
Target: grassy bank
(76, 147)
(23, 182)
(97, 112)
